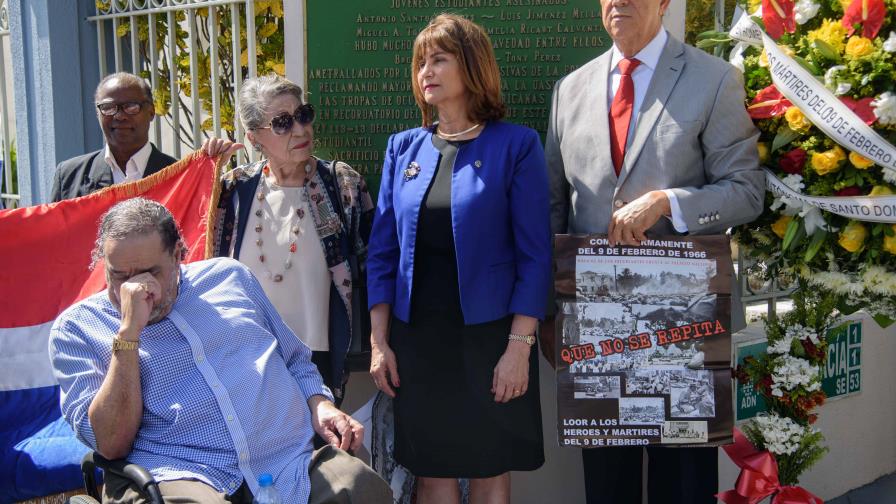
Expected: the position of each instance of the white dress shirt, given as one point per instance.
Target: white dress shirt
(134, 168)
(649, 57)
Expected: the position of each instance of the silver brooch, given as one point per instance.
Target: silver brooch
(411, 171)
(478, 164)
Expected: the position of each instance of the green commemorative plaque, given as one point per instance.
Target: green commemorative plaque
(359, 64)
(841, 373)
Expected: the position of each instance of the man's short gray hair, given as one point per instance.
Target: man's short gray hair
(136, 217)
(128, 79)
(257, 94)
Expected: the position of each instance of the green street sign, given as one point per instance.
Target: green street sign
(841, 373)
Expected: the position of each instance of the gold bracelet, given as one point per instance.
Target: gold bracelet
(121, 344)
(528, 339)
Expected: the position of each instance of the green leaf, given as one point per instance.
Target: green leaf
(845, 308)
(808, 66)
(826, 50)
(785, 136)
(792, 227)
(815, 244)
(883, 320)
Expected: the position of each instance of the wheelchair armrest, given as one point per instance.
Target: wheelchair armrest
(120, 467)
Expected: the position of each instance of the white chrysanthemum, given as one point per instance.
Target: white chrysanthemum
(780, 347)
(831, 280)
(885, 108)
(801, 332)
(804, 10)
(878, 280)
(790, 372)
(890, 176)
(780, 435)
(890, 43)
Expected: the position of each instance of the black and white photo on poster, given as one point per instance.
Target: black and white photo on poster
(655, 319)
(596, 387)
(692, 394)
(678, 432)
(641, 411)
(647, 381)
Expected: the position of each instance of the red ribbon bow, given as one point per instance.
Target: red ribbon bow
(759, 477)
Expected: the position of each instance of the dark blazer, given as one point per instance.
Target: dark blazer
(499, 212)
(82, 175)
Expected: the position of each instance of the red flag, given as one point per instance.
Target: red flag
(45, 250)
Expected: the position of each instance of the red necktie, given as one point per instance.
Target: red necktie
(621, 112)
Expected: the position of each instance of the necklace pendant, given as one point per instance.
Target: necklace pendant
(260, 196)
(300, 213)
(258, 228)
(258, 213)
(295, 230)
(292, 248)
(278, 278)
(259, 242)
(261, 258)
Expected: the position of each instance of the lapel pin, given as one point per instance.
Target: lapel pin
(411, 171)
(477, 164)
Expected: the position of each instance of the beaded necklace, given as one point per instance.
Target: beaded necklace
(295, 230)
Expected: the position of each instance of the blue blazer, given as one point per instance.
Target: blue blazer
(499, 215)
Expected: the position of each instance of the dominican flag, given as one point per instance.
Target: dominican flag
(44, 268)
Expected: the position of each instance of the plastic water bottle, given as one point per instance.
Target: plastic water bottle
(267, 494)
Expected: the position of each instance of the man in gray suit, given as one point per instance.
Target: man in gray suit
(650, 139)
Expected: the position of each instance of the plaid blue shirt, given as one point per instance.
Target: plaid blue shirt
(225, 383)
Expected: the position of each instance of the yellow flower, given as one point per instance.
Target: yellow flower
(853, 236)
(279, 68)
(762, 147)
(763, 59)
(797, 120)
(890, 241)
(827, 161)
(754, 4)
(844, 4)
(881, 190)
(830, 32)
(858, 46)
(780, 225)
(859, 161)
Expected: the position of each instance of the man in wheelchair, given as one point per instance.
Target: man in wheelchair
(188, 371)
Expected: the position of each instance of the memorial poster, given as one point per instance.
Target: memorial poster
(644, 353)
(358, 65)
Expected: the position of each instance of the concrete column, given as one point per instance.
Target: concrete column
(54, 55)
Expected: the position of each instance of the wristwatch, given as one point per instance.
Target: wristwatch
(121, 344)
(528, 339)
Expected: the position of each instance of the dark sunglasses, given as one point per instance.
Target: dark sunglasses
(112, 108)
(283, 123)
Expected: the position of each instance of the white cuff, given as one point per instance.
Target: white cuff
(677, 219)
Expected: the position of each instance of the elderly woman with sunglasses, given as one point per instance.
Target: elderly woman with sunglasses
(300, 223)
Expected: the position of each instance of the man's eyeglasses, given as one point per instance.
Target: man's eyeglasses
(283, 123)
(129, 108)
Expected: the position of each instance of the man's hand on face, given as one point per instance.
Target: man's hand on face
(138, 295)
(337, 428)
(629, 224)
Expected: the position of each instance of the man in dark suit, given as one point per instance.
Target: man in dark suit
(651, 139)
(125, 110)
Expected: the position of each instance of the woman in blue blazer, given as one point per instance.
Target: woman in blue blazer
(458, 273)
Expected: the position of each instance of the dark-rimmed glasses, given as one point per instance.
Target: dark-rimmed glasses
(283, 123)
(129, 108)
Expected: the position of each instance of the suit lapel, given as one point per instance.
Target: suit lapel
(601, 130)
(100, 173)
(155, 162)
(665, 76)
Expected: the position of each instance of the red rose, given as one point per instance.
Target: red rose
(849, 191)
(793, 161)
